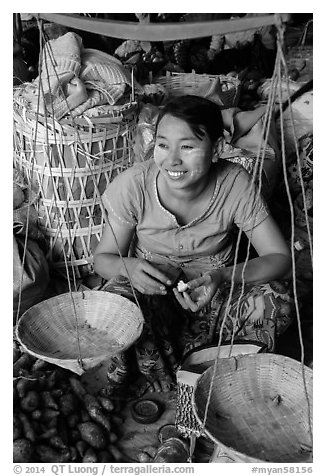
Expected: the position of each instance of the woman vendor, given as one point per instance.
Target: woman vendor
(173, 218)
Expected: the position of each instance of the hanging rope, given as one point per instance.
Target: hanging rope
(276, 82)
(258, 168)
(89, 164)
(282, 62)
(55, 127)
(42, 42)
(48, 155)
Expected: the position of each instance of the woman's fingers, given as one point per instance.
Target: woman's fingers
(147, 279)
(147, 285)
(185, 301)
(195, 283)
(148, 291)
(180, 299)
(193, 306)
(156, 273)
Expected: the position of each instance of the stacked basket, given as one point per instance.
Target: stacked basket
(224, 90)
(69, 164)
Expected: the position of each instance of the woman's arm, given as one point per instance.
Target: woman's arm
(108, 263)
(274, 258)
(273, 262)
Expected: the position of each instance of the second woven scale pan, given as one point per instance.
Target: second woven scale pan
(260, 409)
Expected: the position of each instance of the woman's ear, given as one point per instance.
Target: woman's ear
(218, 148)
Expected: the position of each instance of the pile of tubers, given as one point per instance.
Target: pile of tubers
(56, 420)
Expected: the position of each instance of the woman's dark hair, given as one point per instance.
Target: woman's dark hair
(202, 115)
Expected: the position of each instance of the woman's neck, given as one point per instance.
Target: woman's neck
(186, 204)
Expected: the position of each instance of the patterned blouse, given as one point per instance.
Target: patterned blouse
(204, 243)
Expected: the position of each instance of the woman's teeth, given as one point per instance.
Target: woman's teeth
(175, 174)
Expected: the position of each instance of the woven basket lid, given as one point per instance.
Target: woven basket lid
(260, 407)
(92, 324)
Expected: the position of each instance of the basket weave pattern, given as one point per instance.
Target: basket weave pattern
(194, 364)
(258, 409)
(62, 163)
(185, 419)
(226, 88)
(106, 324)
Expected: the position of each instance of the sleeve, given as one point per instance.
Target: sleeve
(250, 207)
(123, 198)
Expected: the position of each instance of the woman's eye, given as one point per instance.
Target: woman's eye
(187, 147)
(162, 146)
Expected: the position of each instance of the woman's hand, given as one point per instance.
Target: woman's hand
(200, 291)
(111, 259)
(145, 277)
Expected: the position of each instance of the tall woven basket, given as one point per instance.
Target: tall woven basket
(69, 164)
(260, 409)
(79, 330)
(224, 90)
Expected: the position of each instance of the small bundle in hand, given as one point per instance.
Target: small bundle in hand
(182, 287)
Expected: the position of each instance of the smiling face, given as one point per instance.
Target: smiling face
(184, 159)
